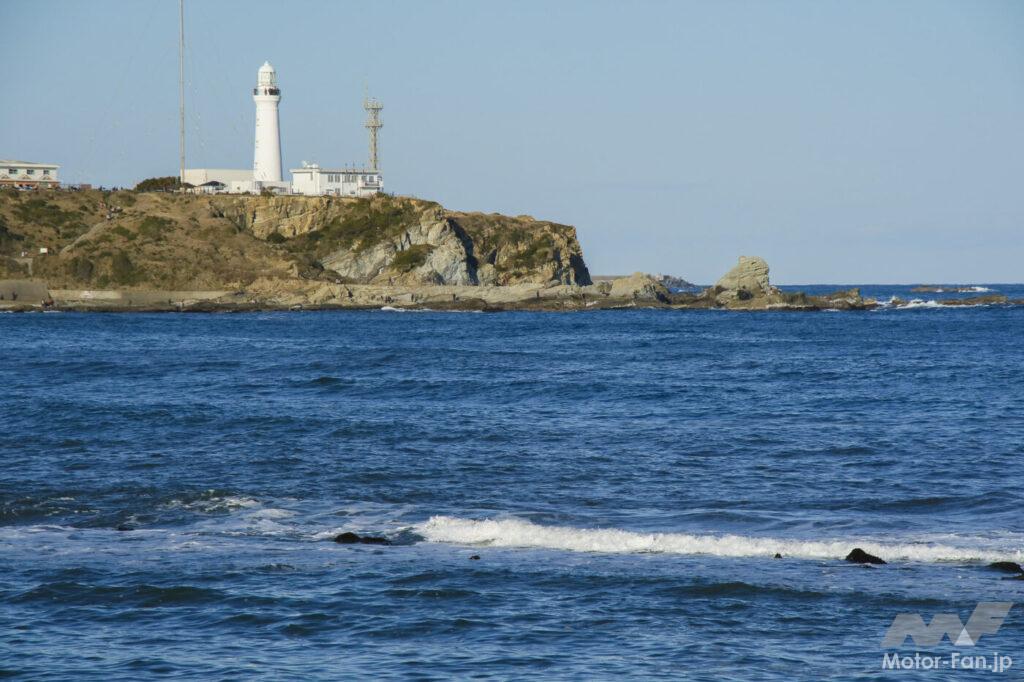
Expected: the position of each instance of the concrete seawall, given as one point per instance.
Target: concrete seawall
(108, 298)
(23, 292)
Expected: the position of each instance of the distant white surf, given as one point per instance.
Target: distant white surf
(392, 309)
(919, 303)
(525, 534)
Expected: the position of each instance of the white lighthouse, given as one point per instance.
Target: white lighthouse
(265, 176)
(267, 164)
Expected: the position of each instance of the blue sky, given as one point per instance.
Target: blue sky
(845, 142)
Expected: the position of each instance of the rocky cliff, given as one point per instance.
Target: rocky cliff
(169, 241)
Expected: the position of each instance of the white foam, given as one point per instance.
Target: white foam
(525, 534)
(392, 309)
(273, 514)
(980, 290)
(919, 303)
(219, 503)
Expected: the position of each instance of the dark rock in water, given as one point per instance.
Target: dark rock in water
(859, 556)
(1006, 566)
(125, 526)
(778, 556)
(475, 557)
(349, 538)
(977, 300)
(374, 540)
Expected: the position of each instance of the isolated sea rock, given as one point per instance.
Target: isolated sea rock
(1006, 566)
(349, 538)
(748, 279)
(638, 287)
(990, 299)
(938, 289)
(849, 299)
(746, 287)
(859, 556)
(674, 282)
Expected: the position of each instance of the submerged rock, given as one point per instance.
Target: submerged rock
(349, 538)
(859, 556)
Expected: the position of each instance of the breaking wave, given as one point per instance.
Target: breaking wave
(524, 534)
(919, 303)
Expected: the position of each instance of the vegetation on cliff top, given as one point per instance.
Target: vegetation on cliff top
(170, 183)
(160, 240)
(368, 221)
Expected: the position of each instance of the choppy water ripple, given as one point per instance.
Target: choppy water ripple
(170, 486)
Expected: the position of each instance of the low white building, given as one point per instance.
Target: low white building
(234, 181)
(211, 187)
(313, 180)
(28, 174)
(201, 176)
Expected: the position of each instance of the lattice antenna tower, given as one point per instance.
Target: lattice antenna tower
(373, 125)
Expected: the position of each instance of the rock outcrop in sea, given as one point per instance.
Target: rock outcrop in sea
(748, 280)
(747, 287)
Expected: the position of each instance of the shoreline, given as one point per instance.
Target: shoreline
(465, 299)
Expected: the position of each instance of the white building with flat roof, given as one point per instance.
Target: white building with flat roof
(313, 180)
(28, 173)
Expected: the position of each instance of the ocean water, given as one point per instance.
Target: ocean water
(625, 477)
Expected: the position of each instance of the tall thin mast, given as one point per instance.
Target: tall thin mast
(373, 125)
(181, 89)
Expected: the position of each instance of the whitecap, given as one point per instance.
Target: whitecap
(518, 533)
(919, 303)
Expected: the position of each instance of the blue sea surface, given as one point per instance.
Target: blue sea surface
(625, 478)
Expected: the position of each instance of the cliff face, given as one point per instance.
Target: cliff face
(404, 240)
(128, 239)
(521, 250)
